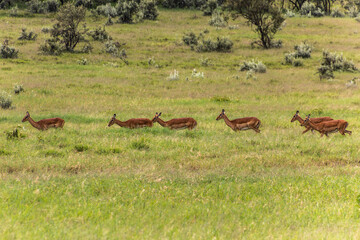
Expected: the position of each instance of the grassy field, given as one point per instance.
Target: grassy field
(89, 181)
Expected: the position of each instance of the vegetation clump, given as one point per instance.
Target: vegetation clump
(255, 66)
(200, 44)
(8, 52)
(100, 34)
(131, 11)
(31, 36)
(106, 10)
(18, 89)
(14, 134)
(218, 19)
(116, 50)
(51, 46)
(337, 13)
(302, 50)
(5, 100)
(209, 7)
(332, 62)
(309, 9)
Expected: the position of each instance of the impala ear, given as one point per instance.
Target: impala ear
(156, 113)
(114, 115)
(159, 114)
(297, 112)
(223, 111)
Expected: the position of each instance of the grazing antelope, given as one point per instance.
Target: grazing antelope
(328, 127)
(131, 123)
(45, 123)
(241, 124)
(176, 123)
(296, 117)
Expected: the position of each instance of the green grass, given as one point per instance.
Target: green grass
(91, 181)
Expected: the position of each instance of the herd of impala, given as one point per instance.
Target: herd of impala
(324, 125)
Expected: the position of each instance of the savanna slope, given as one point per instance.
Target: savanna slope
(90, 181)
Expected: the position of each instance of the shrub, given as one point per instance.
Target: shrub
(218, 19)
(250, 75)
(5, 3)
(196, 74)
(87, 48)
(82, 61)
(174, 75)
(31, 36)
(109, 21)
(252, 65)
(222, 44)
(334, 62)
(353, 11)
(106, 10)
(116, 50)
(81, 148)
(99, 34)
(182, 3)
(51, 46)
(8, 52)
(205, 62)
(303, 50)
(36, 6)
(297, 63)
(149, 10)
(84, 3)
(14, 11)
(309, 9)
(289, 13)
(337, 13)
(5, 100)
(276, 43)
(127, 10)
(190, 39)
(45, 30)
(140, 145)
(18, 89)
(52, 5)
(209, 7)
(14, 134)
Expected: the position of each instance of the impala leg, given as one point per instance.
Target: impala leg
(348, 132)
(307, 129)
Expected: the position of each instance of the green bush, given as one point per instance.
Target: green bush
(254, 66)
(51, 46)
(209, 7)
(5, 100)
(31, 36)
(221, 44)
(100, 34)
(8, 52)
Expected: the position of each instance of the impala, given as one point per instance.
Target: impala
(45, 123)
(296, 117)
(328, 127)
(240, 124)
(176, 123)
(131, 123)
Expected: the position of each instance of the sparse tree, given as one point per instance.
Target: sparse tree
(67, 27)
(263, 15)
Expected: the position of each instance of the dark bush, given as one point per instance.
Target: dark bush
(8, 52)
(99, 34)
(209, 7)
(36, 6)
(221, 44)
(149, 10)
(52, 46)
(52, 5)
(31, 36)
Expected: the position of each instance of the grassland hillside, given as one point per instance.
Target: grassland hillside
(89, 181)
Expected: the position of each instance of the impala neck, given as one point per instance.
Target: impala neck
(161, 122)
(299, 119)
(120, 123)
(34, 124)
(228, 122)
(313, 125)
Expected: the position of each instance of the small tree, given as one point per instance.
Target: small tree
(67, 27)
(264, 15)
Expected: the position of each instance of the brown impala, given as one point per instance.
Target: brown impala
(45, 123)
(131, 123)
(240, 124)
(327, 127)
(296, 117)
(176, 123)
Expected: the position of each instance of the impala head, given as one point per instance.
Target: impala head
(112, 120)
(295, 116)
(221, 115)
(306, 121)
(26, 118)
(155, 119)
